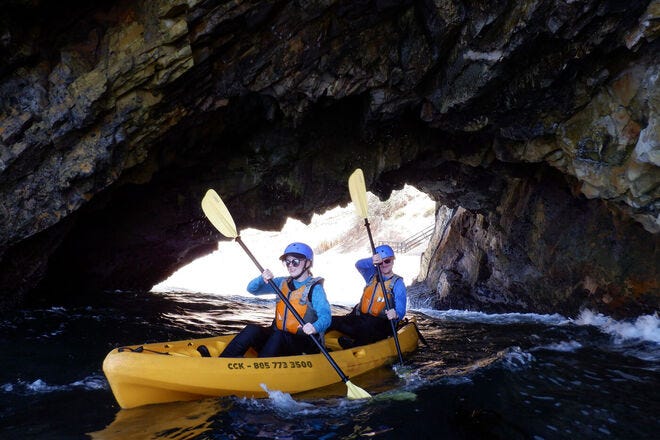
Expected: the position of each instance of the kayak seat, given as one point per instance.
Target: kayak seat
(346, 342)
(212, 349)
(332, 340)
(204, 351)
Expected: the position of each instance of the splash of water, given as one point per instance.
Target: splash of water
(644, 328)
(39, 386)
(496, 318)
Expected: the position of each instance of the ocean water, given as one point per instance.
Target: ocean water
(506, 376)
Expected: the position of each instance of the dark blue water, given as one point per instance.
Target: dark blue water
(481, 376)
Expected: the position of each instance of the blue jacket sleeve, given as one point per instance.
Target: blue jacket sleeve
(366, 268)
(322, 307)
(400, 298)
(258, 287)
(319, 300)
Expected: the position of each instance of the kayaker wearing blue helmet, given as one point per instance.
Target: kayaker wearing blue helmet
(286, 337)
(368, 321)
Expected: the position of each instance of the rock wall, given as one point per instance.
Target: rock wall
(116, 118)
(540, 250)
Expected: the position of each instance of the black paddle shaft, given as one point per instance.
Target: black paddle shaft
(388, 304)
(294, 311)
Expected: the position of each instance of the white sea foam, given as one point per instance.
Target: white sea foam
(284, 402)
(642, 328)
(287, 407)
(93, 382)
(565, 346)
(516, 359)
(496, 318)
(39, 386)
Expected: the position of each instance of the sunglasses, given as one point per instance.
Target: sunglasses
(295, 262)
(388, 260)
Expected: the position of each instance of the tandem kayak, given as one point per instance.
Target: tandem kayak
(175, 371)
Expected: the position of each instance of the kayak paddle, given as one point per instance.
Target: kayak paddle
(219, 215)
(358, 191)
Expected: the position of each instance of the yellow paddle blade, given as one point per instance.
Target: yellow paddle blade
(355, 392)
(218, 214)
(358, 191)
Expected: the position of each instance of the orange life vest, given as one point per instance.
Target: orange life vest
(373, 301)
(300, 299)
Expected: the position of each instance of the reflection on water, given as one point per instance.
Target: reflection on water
(174, 421)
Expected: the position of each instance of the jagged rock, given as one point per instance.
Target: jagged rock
(539, 250)
(114, 121)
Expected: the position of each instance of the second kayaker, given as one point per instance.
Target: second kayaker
(369, 320)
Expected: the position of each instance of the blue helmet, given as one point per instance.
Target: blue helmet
(300, 249)
(384, 251)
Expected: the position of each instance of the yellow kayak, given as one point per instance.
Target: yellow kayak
(175, 371)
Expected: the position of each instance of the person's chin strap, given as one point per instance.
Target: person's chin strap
(303, 271)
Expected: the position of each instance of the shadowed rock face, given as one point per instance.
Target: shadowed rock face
(535, 123)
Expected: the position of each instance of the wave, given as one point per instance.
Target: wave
(495, 318)
(514, 358)
(564, 346)
(642, 328)
(25, 388)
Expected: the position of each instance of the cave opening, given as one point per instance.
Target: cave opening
(338, 237)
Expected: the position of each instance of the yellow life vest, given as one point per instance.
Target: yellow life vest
(373, 301)
(300, 299)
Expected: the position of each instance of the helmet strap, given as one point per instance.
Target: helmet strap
(306, 269)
